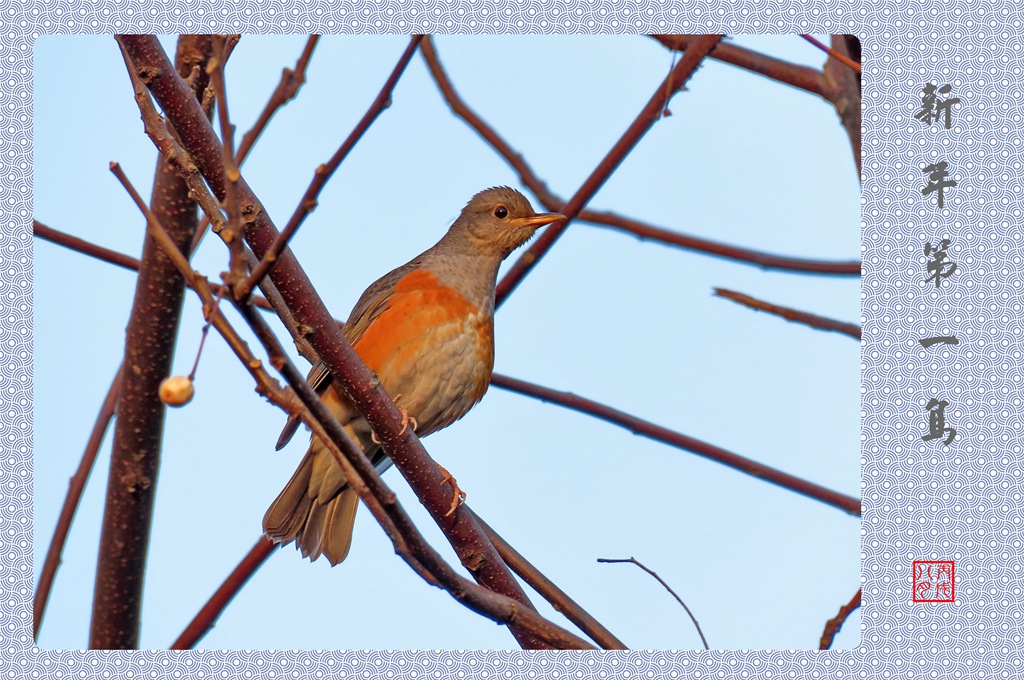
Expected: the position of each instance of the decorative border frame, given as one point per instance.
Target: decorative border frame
(921, 501)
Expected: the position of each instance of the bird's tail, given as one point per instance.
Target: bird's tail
(308, 511)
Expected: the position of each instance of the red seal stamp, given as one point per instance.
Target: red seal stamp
(934, 581)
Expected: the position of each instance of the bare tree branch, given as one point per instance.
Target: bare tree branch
(324, 172)
(802, 77)
(832, 53)
(833, 625)
(843, 89)
(633, 560)
(680, 441)
(138, 430)
(203, 622)
(650, 114)
(107, 255)
(67, 512)
(608, 219)
(292, 80)
(558, 598)
(790, 314)
(838, 83)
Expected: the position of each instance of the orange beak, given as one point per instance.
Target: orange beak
(537, 221)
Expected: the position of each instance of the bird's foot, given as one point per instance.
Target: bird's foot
(406, 419)
(458, 495)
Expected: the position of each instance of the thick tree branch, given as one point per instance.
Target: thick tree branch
(843, 89)
(138, 430)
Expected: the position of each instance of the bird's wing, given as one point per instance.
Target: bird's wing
(370, 305)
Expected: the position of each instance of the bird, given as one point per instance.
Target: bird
(426, 329)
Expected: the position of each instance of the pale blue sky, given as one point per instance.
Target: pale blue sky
(632, 324)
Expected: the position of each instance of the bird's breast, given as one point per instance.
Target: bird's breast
(433, 347)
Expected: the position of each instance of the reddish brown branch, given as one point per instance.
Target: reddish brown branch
(401, 444)
(286, 90)
(557, 597)
(651, 113)
(291, 81)
(790, 314)
(842, 90)
(67, 512)
(755, 257)
(201, 624)
(832, 53)
(680, 441)
(81, 245)
(554, 203)
(633, 560)
(324, 172)
(112, 256)
(138, 430)
(833, 625)
(802, 77)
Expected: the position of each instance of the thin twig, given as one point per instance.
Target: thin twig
(67, 512)
(292, 80)
(232, 233)
(813, 320)
(633, 560)
(832, 53)
(833, 625)
(680, 441)
(650, 114)
(324, 172)
(112, 256)
(286, 90)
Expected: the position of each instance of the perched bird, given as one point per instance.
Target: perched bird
(427, 330)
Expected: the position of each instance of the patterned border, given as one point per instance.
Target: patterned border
(920, 501)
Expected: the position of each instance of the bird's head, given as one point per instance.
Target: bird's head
(499, 220)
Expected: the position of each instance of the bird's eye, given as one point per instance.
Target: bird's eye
(501, 212)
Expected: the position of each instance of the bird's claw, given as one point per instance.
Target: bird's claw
(406, 419)
(458, 495)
